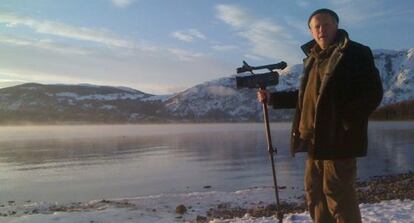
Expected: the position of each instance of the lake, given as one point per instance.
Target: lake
(87, 162)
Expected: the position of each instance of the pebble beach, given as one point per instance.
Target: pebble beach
(377, 196)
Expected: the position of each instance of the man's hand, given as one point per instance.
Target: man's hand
(262, 96)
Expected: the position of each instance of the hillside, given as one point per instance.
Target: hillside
(37, 103)
(212, 101)
(403, 110)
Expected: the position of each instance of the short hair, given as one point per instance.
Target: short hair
(324, 10)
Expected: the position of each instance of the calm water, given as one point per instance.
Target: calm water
(80, 163)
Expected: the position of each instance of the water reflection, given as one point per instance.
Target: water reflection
(52, 163)
(39, 152)
(391, 149)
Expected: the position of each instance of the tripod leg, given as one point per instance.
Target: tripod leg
(271, 151)
(278, 209)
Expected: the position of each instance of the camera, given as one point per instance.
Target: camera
(262, 80)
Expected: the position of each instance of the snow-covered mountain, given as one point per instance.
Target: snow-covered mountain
(78, 103)
(220, 96)
(216, 100)
(219, 100)
(397, 74)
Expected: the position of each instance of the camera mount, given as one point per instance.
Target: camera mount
(262, 81)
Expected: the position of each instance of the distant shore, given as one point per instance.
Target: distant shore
(84, 123)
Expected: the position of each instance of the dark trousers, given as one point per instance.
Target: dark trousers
(330, 191)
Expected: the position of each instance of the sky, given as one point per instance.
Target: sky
(166, 46)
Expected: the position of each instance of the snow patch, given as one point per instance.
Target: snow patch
(14, 106)
(161, 98)
(101, 97)
(221, 91)
(107, 107)
(161, 209)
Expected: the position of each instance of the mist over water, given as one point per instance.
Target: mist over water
(81, 163)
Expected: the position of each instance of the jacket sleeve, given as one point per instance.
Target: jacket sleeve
(283, 99)
(367, 87)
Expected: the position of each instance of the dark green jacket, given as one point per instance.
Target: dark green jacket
(349, 93)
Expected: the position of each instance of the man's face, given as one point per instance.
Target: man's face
(323, 29)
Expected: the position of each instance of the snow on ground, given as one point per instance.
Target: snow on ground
(161, 209)
(395, 211)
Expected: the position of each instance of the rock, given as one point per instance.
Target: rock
(180, 209)
(201, 219)
(224, 206)
(226, 211)
(372, 190)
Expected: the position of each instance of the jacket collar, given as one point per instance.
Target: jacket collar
(341, 37)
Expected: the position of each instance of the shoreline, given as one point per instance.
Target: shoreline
(373, 190)
(179, 122)
(198, 206)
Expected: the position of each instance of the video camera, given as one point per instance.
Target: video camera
(259, 80)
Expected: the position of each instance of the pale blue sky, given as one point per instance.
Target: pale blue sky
(163, 46)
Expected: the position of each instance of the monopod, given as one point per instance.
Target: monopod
(261, 81)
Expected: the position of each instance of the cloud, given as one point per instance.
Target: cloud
(196, 33)
(233, 15)
(359, 13)
(253, 57)
(182, 36)
(100, 36)
(185, 55)
(29, 75)
(188, 35)
(148, 72)
(224, 47)
(45, 44)
(267, 39)
(122, 3)
(99, 56)
(94, 35)
(156, 72)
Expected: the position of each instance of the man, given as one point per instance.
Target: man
(340, 88)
